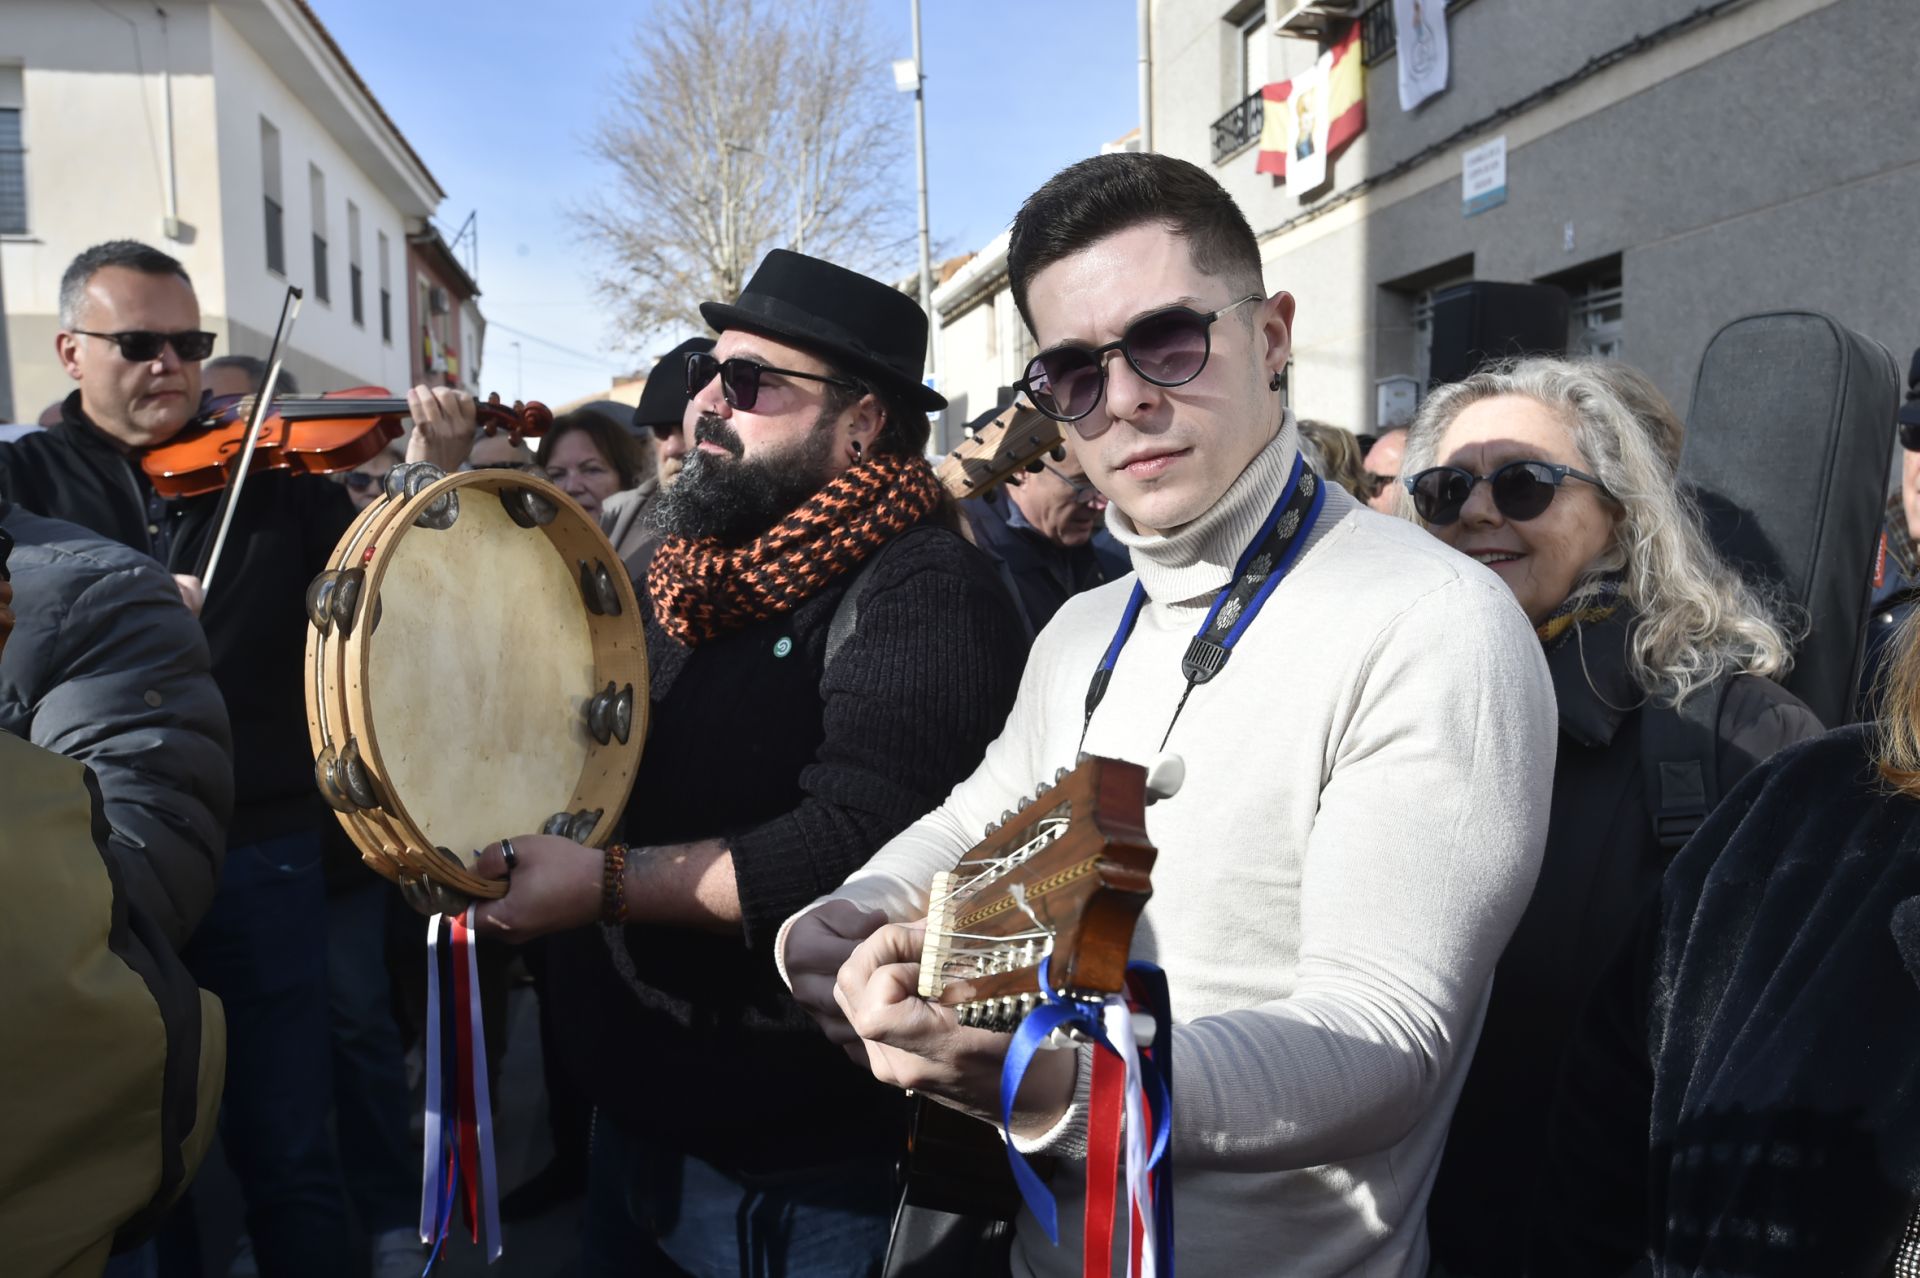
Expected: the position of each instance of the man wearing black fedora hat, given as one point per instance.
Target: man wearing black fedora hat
(828, 657)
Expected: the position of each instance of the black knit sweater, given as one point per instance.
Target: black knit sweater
(805, 774)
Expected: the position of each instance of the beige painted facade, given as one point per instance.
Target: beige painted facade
(984, 345)
(102, 163)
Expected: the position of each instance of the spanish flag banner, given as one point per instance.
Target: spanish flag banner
(1312, 117)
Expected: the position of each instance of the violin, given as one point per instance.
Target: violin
(310, 434)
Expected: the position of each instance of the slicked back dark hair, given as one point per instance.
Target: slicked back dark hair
(131, 254)
(1088, 201)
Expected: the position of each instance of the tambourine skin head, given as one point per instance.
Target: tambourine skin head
(496, 691)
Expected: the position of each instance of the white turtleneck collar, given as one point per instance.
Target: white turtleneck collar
(1193, 561)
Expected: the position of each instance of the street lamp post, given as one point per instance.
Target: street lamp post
(912, 76)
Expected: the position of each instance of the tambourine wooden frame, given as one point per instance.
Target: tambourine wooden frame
(338, 710)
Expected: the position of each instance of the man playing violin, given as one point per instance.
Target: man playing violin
(1329, 959)
(131, 338)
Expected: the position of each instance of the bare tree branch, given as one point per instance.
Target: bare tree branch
(743, 126)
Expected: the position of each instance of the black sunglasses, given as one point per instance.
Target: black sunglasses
(1167, 347)
(740, 378)
(1522, 490)
(662, 430)
(1910, 429)
(141, 346)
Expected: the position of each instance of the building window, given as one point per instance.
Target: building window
(270, 196)
(1597, 313)
(1253, 51)
(1423, 328)
(322, 281)
(353, 265)
(386, 290)
(13, 154)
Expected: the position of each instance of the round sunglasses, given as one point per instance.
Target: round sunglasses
(1166, 347)
(740, 378)
(140, 346)
(1522, 490)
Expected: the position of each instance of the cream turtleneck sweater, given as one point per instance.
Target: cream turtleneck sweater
(1366, 796)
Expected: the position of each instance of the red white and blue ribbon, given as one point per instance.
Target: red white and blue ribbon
(1130, 1104)
(459, 1157)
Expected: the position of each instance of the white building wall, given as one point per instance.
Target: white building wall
(96, 161)
(94, 111)
(325, 333)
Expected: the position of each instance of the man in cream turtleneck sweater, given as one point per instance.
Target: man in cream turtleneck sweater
(1328, 951)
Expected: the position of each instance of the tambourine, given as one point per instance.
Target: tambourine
(475, 668)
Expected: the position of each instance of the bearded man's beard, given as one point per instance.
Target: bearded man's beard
(736, 498)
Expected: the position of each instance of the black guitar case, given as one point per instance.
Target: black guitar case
(1789, 443)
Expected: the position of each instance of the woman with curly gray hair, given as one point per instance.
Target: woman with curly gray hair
(1558, 475)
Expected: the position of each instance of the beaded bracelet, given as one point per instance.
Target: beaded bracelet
(613, 886)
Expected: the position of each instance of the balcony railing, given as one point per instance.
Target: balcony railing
(1377, 37)
(1240, 127)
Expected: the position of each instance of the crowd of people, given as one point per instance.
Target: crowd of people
(1453, 993)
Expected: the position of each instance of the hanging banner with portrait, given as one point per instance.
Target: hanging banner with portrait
(1420, 35)
(1312, 117)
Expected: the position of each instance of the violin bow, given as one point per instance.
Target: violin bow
(230, 499)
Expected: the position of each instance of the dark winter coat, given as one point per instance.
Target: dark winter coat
(1602, 862)
(255, 614)
(1745, 1100)
(805, 770)
(1045, 573)
(107, 667)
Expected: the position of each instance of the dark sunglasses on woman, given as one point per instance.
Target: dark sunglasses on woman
(740, 379)
(1522, 490)
(140, 346)
(1167, 347)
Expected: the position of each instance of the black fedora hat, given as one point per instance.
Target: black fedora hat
(860, 324)
(664, 398)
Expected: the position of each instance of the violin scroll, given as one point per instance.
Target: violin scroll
(524, 419)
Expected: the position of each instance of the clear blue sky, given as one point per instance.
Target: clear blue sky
(499, 97)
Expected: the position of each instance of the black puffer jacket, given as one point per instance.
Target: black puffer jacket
(1602, 863)
(107, 667)
(255, 617)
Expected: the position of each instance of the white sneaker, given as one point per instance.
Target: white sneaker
(397, 1253)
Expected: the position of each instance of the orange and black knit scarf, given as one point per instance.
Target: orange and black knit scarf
(702, 589)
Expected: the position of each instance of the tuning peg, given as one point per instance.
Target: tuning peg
(992, 826)
(1035, 466)
(1058, 453)
(1165, 777)
(1006, 818)
(1060, 774)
